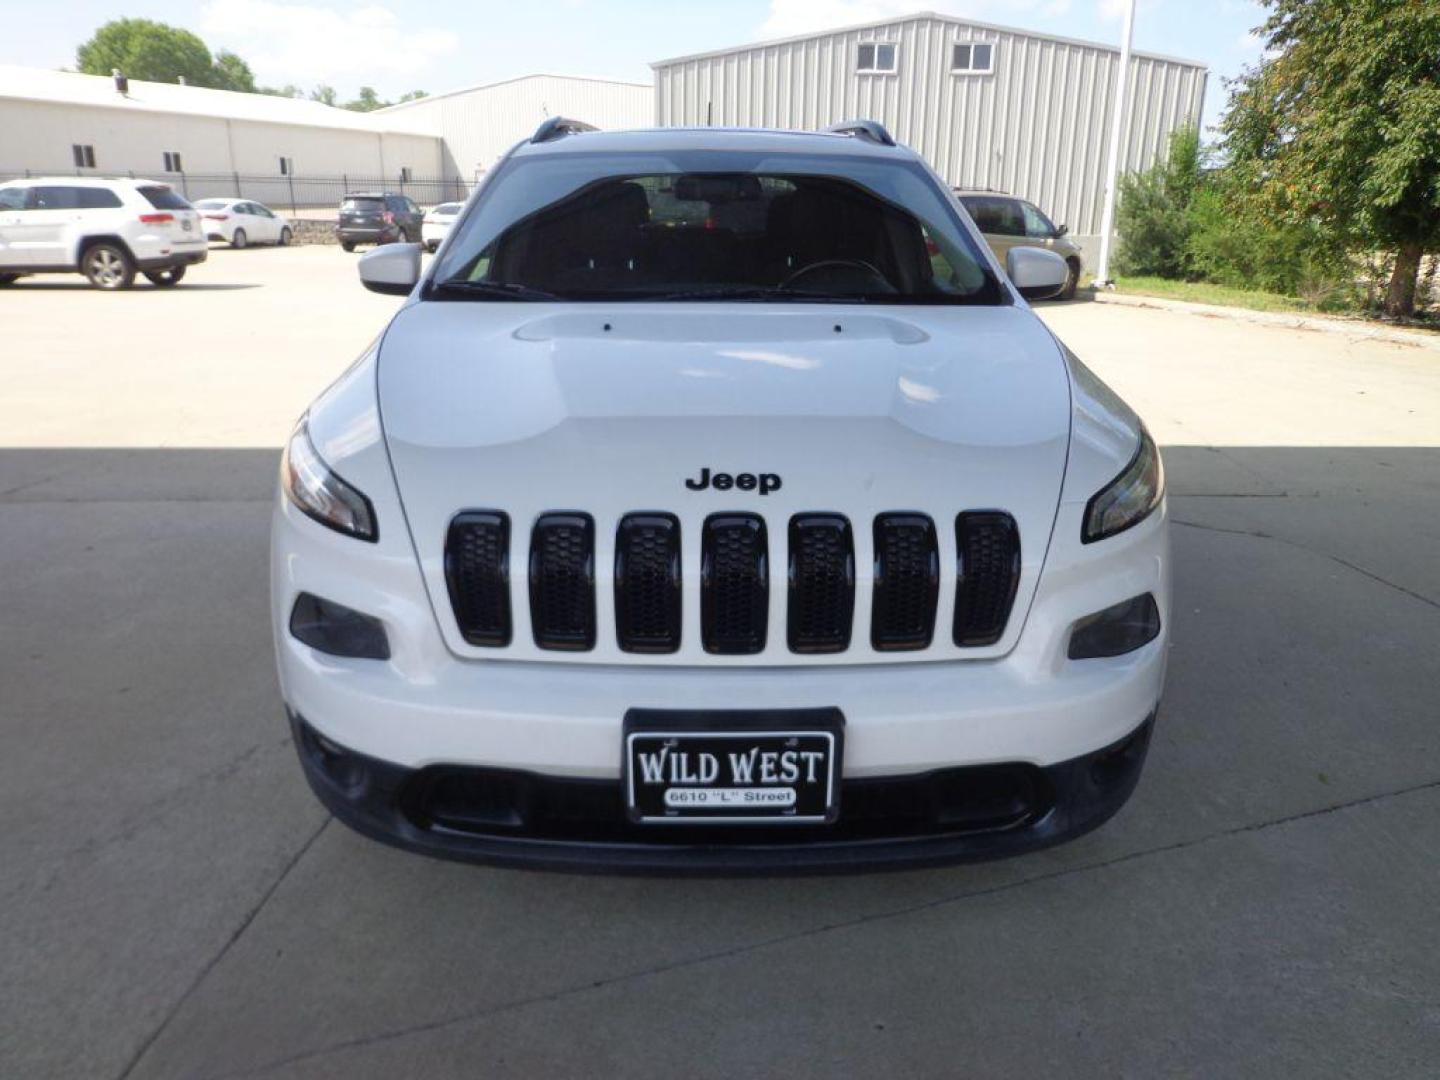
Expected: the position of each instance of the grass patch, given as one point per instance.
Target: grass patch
(1203, 292)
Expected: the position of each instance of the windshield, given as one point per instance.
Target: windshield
(447, 208)
(703, 225)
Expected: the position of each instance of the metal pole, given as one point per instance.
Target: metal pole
(1112, 168)
(290, 176)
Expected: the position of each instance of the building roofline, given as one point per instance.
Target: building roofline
(955, 20)
(514, 79)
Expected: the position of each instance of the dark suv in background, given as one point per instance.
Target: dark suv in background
(377, 217)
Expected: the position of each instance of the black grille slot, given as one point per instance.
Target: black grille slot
(822, 583)
(734, 584)
(477, 573)
(647, 583)
(907, 582)
(562, 581)
(987, 563)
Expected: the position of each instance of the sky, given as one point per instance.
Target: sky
(437, 45)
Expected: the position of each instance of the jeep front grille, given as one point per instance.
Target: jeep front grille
(477, 571)
(734, 581)
(562, 581)
(907, 582)
(647, 583)
(734, 584)
(822, 583)
(987, 571)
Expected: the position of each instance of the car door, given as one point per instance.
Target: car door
(40, 237)
(266, 223)
(13, 202)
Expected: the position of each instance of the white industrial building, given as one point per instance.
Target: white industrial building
(988, 106)
(478, 124)
(62, 121)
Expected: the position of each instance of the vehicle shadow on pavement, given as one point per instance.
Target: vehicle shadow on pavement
(140, 286)
(174, 898)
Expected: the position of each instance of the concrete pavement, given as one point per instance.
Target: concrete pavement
(175, 903)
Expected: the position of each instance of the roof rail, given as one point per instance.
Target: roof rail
(557, 127)
(863, 129)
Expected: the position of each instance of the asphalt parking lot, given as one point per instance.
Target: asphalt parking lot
(176, 904)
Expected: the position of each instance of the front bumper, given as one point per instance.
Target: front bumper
(513, 819)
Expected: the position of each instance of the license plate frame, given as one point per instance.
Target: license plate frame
(721, 800)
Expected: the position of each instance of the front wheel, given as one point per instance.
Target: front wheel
(347, 245)
(168, 277)
(1072, 280)
(239, 240)
(8, 279)
(107, 266)
(432, 246)
(285, 237)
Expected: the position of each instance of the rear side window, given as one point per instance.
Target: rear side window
(75, 198)
(998, 217)
(164, 198)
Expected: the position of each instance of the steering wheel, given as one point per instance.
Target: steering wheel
(836, 264)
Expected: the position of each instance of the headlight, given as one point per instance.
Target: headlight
(1128, 499)
(321, 494)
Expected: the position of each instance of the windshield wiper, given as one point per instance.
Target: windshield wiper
(492, 290)
(763, 292)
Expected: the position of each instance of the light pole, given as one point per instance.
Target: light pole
(1112, 167)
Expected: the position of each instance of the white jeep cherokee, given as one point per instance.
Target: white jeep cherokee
(717, 503)
(107, 229)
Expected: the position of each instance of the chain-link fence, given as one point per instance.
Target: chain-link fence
(302, 196)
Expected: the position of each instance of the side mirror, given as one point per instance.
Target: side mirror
(392, 269)
(1061, 231)
(1037, 273)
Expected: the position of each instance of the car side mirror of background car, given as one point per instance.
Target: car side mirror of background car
(392, 269)
(1061, 230)
(1037, 273)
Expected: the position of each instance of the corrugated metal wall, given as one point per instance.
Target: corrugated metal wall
(1037, 127)
(479, 125)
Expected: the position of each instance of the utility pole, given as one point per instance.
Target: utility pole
(1112, 168)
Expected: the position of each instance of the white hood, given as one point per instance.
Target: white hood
(609, 409)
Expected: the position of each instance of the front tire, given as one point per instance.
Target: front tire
(8, 279)
(166, 278)
(239, 240)
(432, 246)
(1072, 280)
(108, 266)
(347, 245)
(285, 237)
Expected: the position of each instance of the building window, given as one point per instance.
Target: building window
(405, 174)
(973, 56)
(84, 156)
(172, 161)
(287, 166)
(877, 56)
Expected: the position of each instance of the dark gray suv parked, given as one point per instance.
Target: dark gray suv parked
(377, 217)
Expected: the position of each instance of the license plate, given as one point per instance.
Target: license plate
(733, 768)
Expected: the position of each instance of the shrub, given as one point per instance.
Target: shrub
(1153, 214)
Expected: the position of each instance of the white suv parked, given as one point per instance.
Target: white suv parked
(716, 502)
(107, 229)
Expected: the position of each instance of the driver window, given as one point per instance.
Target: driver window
(1037, 225)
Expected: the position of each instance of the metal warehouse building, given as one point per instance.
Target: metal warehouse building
(480, 123)
(988, 106)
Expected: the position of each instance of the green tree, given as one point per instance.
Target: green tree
(413, 95)
(154, 52)
(232, 73)
(368, 101)
(1340, 124)
(323, 94)
(289, 90)
(1153, 217)
(147, 50)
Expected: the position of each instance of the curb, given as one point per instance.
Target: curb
(1353, 328)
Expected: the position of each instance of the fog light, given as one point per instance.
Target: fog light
(336, 629)
(1116, 630)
